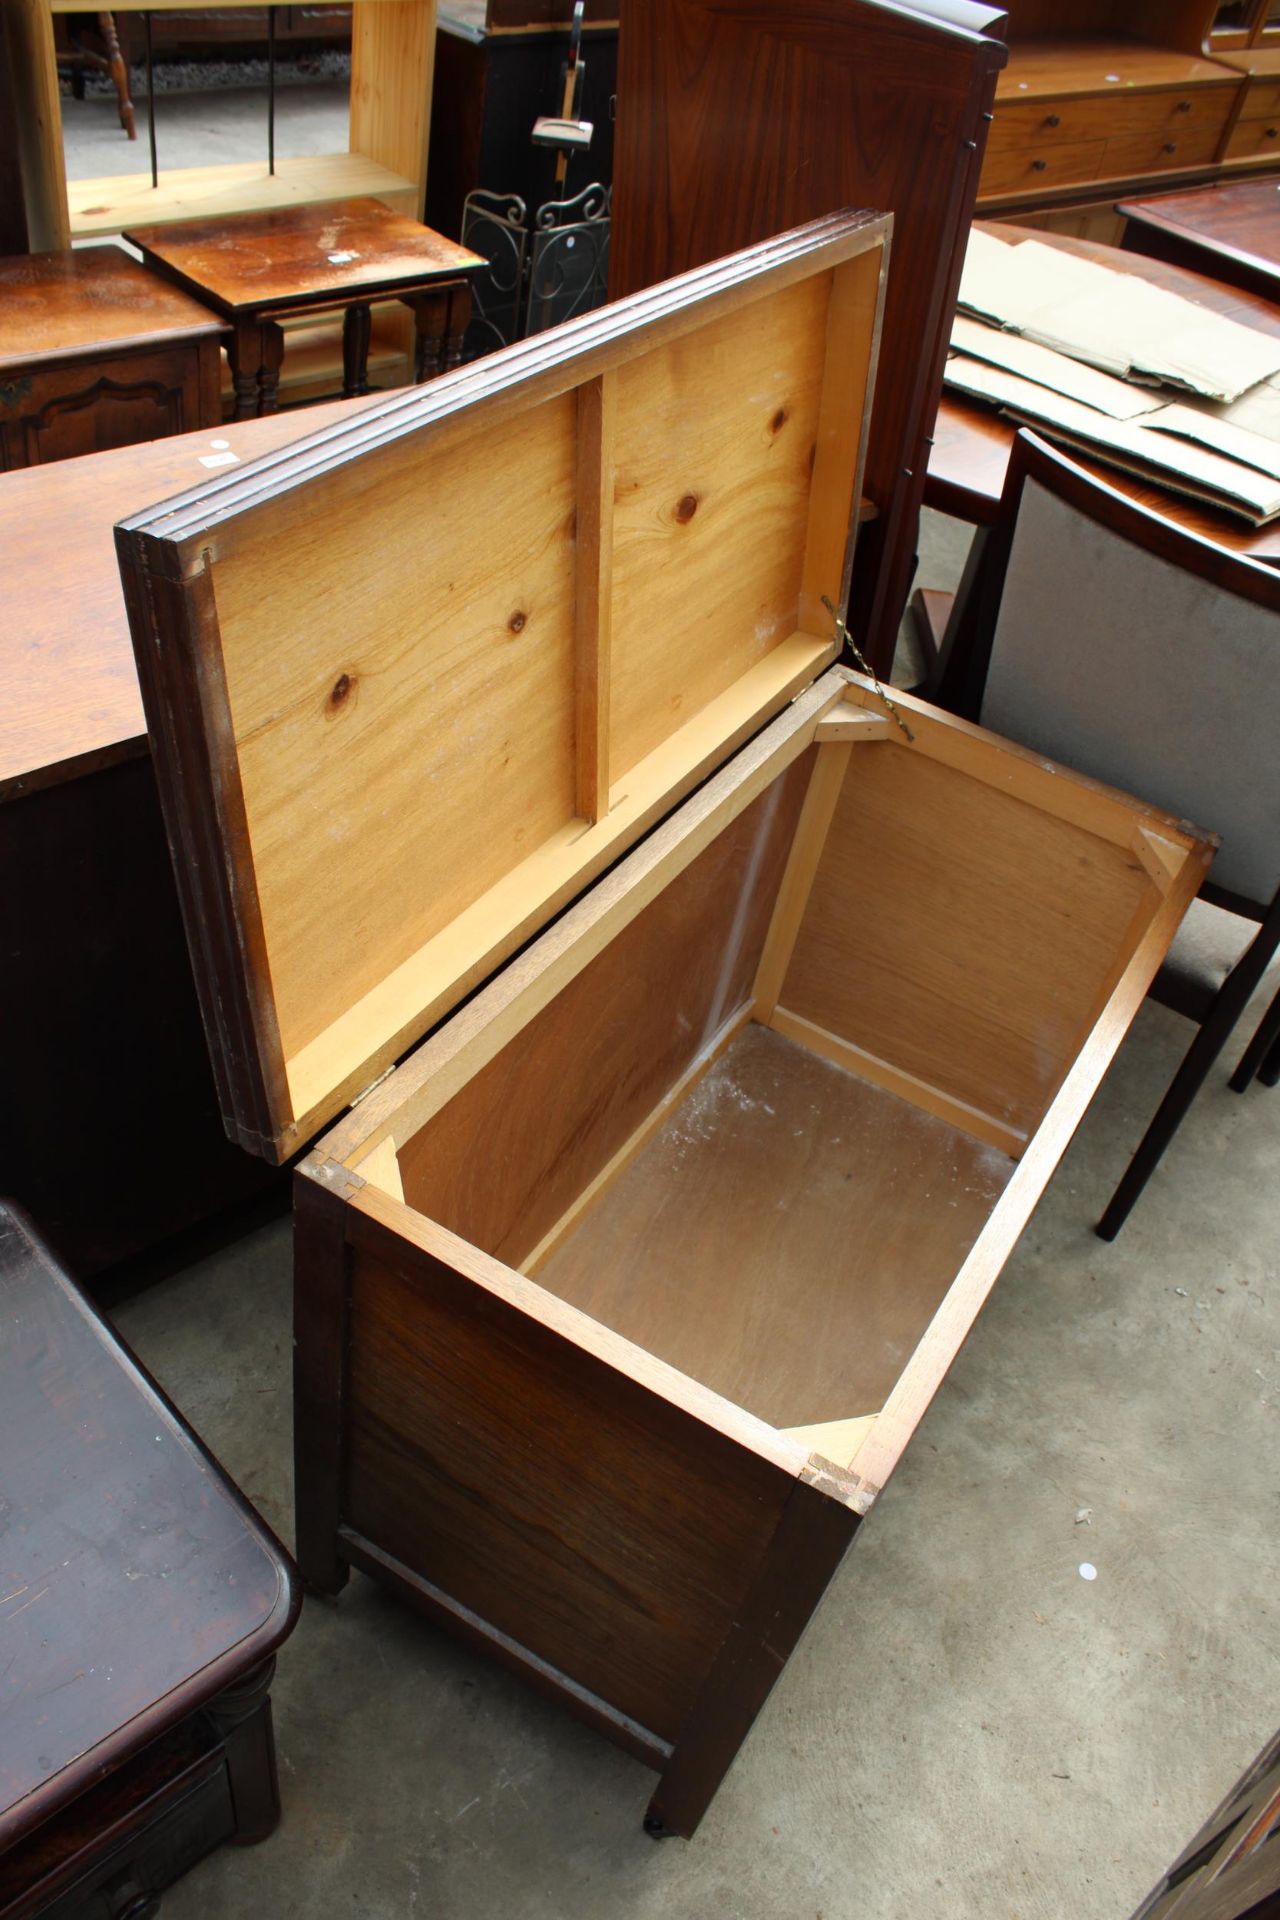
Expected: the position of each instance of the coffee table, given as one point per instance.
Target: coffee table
(256, 269)
(142, 1602)
(1231, 232)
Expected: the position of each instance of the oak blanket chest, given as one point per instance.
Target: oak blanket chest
(618, 1299)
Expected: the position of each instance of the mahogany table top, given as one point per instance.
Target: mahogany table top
(135, 1582)
(71, 688)
(55, 305)
(970, 452)
(1231, 231)
(293, 257)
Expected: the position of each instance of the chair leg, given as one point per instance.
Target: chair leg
(1262, 1055)
(1187, 1081)
(1269, 1071)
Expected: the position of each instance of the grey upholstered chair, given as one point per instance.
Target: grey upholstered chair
(1105, 637)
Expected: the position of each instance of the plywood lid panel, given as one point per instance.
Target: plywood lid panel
(413, 681)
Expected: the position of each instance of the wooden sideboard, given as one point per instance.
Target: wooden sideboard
(109, 1125)
(96, 352)
(1102, 98)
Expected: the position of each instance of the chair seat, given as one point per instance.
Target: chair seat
(1207, 946)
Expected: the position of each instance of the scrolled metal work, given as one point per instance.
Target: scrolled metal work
(541, 271)
(569, 261)
(497, 226)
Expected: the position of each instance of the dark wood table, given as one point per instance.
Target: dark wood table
(110, 1130)
(1231, 232)
(97, 352)
(259, 268)
(142, 1602)
(971, 443)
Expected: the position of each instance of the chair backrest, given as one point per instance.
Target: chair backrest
(738, 119)
(1139, 654)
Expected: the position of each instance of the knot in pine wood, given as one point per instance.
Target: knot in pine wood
(686, 508)
(341, 691)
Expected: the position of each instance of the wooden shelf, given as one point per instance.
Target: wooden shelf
(108, 204)
(392, 62)
(1042, 69)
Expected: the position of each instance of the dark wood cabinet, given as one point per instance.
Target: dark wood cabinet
(95, 352)
(490, 86)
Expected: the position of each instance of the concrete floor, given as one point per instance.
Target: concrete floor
(969, 1727)
(207, 128)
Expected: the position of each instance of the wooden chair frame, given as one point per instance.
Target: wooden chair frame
(959, 683)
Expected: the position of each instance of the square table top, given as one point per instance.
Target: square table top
(1235, 222)
(55, 305)
(290, 257)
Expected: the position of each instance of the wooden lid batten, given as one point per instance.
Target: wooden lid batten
(761, 269)
(415, 681)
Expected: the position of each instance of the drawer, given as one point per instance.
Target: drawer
(1171, 115)
(1040, 169)
(1261, 100)
(1190, 145)
(1253, 139)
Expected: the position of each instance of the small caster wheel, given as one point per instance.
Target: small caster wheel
(657, 1829)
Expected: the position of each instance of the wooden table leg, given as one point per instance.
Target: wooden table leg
(356, 329)
(119, 73)
(270, 360)
(244, 351)
(440, 321)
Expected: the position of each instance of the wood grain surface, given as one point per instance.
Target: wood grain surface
(786, 1236)
(958, 934)
(54, 304)
(850, 104)
(514, 1149)
(294, 256)
(72, 701)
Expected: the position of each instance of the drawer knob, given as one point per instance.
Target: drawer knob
(1170, 146)
(1038, 166)
(1271, 133)
(1183, 106)
(1054, 120)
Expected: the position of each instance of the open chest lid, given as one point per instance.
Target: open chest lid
(413, 681)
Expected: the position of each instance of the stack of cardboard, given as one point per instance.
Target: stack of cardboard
(1103, 362)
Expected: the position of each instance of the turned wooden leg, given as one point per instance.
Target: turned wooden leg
(428, 334)
(119, 73)
(356, 329)
(270, 361)
(244, 351)
(242, 1716)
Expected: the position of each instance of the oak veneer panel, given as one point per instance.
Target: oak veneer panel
(772, 1239)
(512, 1151)
(714, 444)
(390, 692)
(959, 933)
(601, 1527)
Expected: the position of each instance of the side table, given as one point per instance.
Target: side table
(258, 268)
(96, 352)
(141, 1602)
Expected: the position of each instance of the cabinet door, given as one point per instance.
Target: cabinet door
(54, 413)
